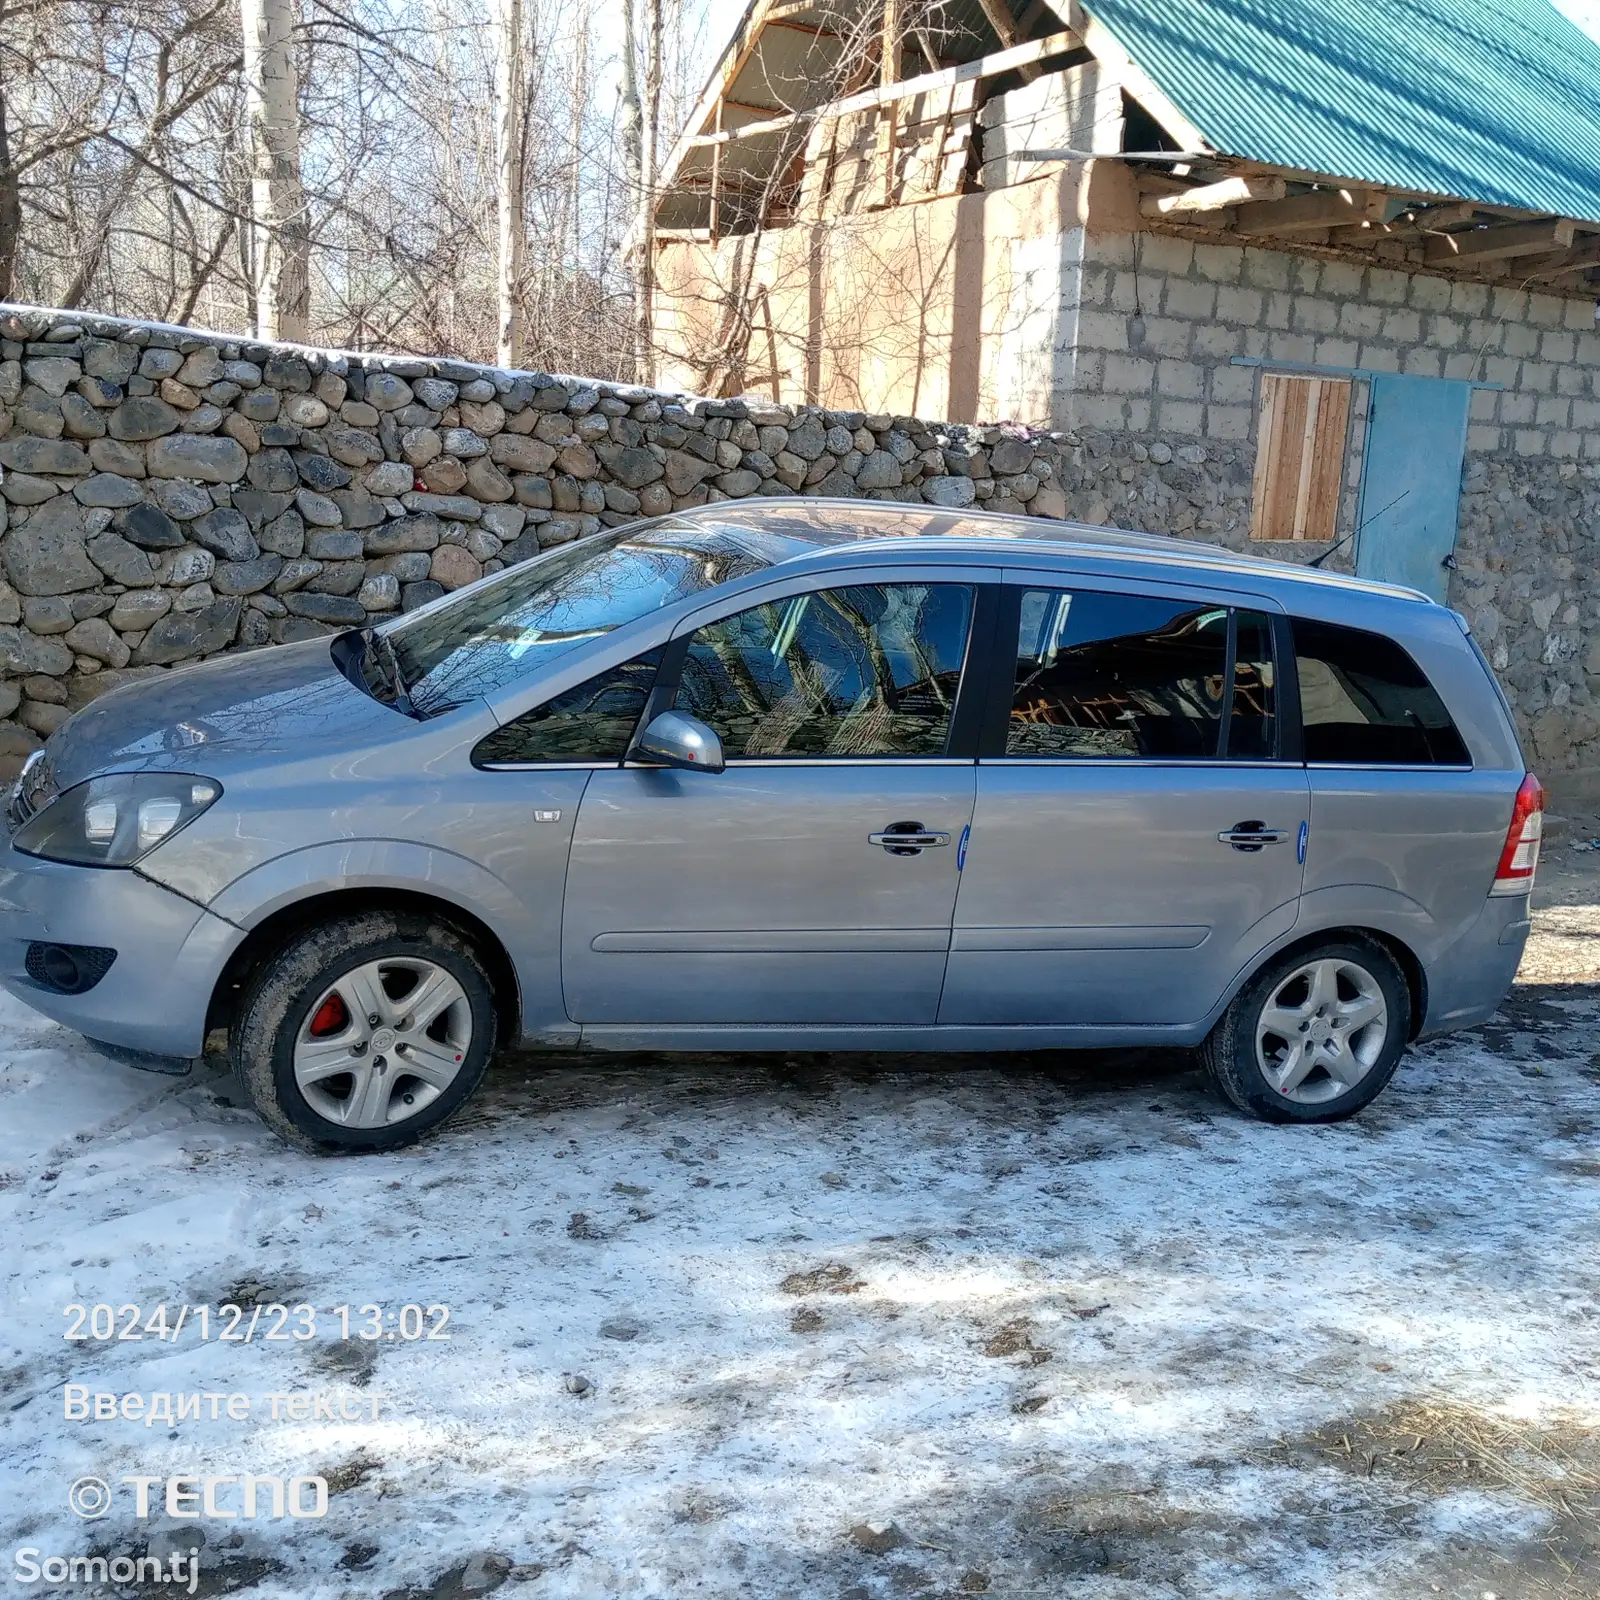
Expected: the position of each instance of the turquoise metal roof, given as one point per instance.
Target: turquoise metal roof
(1492, 102)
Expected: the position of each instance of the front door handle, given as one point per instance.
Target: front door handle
(1250, 836)
(908, 838)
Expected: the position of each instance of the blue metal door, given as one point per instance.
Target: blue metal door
(1411, 480)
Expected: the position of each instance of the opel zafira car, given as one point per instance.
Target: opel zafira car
(793, 774)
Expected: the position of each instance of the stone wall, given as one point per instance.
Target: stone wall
(170, 494)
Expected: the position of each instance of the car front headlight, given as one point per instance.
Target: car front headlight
(115, 820)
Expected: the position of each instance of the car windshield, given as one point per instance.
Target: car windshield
(474, 643)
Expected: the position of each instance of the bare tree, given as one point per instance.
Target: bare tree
(631, 128)
(10, 203)
(510, 121)
(339, 170)
(283, 245)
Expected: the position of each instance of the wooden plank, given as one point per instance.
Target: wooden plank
(1300, 450)
(1284, 404)
(1007, 32)
(1579, 260)
(716, 178)
(1303, 213)
(871, 99)
(1213, 197)
(1266, 435)
(801, 27)
(1477, 245)
(888, 76)
(1324, 471)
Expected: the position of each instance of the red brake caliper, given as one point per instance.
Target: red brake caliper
(330, 1018)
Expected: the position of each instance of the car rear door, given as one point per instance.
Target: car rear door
(773, 893)
(1140, 824)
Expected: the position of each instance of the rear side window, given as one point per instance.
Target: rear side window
(1365, 702)
(1120, 676)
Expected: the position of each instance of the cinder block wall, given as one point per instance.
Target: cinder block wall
(1166, 428)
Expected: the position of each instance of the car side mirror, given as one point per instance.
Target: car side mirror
(677, 740)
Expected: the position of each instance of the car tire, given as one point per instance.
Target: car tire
(1315, 1035)
(327, 1050)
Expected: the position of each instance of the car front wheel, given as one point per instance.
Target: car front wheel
(366, 1033)
(1315, 1035)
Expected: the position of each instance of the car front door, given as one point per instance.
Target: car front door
(772, 893)
(1138, 834)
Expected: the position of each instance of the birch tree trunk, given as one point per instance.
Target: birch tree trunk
(645, 269)
(10, 208)
(510, 118)
(633, 169)
(283, 236)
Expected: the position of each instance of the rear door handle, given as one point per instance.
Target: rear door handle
(908, 838)
(1250, 836)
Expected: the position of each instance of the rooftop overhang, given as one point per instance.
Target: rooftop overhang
(793, 66)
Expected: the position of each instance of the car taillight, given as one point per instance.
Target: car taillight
(1514, 875)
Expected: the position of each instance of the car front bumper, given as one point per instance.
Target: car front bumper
(169, 951)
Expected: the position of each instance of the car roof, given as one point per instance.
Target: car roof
(822, 528)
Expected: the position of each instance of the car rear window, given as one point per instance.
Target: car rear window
(1365, 702)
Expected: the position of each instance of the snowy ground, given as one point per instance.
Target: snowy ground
(849, 1327)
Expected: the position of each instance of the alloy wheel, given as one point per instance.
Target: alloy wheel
(1322, 1030)
(383, 1042)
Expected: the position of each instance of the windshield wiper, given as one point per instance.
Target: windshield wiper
(381, 650)
(379, 668)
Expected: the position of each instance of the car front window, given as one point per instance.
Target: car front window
(475, 643)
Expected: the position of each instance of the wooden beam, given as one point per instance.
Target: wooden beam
(871, 99)
(1304, 213)
(1475, 246)
(1579, 260)
(888, 76)
(716, 178)
(1213, 197)
(1007, 32)
(1102, 44)
(816, 32)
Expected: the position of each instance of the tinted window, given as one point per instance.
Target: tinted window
(1363, 699)
(475, 642)
(1252, 726)
(870, 670)
(592, 722)
(1115, 675)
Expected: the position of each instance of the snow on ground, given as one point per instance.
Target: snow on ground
(845, 1327)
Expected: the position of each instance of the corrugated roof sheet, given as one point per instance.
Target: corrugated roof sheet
(1492, 102)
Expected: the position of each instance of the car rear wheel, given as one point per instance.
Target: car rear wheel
(366, 1033)
(1315, 1035)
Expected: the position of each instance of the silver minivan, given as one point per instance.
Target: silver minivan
(793, 774)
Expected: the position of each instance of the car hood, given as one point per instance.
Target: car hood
(277, 701)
